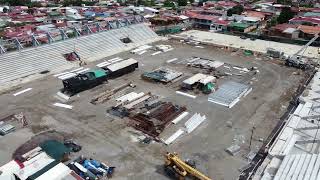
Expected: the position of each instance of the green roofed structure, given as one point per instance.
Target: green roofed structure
(55, 149)
(238, 26)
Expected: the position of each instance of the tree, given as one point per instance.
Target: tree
(148, 2)
(182, 2)
(168, 3)
(5, 10)
(152, 2)
(15, 2)
(272, 22)
(284, 2)
(285, 15)
(229, 12)
(238, 9)
(34, 4)
(72, 3)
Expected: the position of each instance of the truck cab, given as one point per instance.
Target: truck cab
(84, 81)
(298, 62)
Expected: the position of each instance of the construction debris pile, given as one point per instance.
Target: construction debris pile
(204, 63)
(190, 125)
(154, 122)
(105, 96)
(215, 67)
(11, 122)
(206, 83)
(147, 113)
(162, 48)
(164, 75)
(141, 50)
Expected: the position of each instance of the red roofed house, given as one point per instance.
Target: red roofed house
(261, 15)
(200, 20)
(284, 30)
(308, 32)
(219, 25)
(311, 21)
(18, 31)
(226, 4)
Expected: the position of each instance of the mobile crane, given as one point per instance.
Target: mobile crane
(176, 167)
(296, 60)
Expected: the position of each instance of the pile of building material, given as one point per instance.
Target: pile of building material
(174, 136)
(12, 122)
(109, 62)
(131, 103)
(164, 48)
(180, 117)
(194, 122)
(141, 50)
(137, 101)
(162, 74)
(229, 94)
(198, 79)
(130, 97)
(120, 68)
(6, 129)
(147, 113)
(204, 63)
(103, 97)
(233, 150)
(71, 73)
(156, 121)
(190, 125)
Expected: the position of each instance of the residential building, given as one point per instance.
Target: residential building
(311, 21)
(240, 27)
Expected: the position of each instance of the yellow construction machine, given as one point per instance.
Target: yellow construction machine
(177, 168)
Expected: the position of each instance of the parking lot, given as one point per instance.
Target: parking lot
(109, 138)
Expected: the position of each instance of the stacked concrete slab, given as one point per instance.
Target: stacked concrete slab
(15, 65)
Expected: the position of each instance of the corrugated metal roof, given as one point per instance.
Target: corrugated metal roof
(59, 171)
(195, 78)
(34, 165)
(122, 64)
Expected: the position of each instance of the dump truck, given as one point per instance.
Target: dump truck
(84, 81)
(176, 168)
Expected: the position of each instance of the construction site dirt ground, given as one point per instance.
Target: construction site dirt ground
(110, 140)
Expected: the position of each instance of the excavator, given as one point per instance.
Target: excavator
(179, 169)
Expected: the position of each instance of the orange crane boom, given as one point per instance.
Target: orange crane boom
(181, 168)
